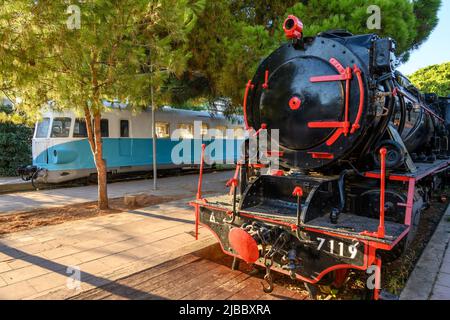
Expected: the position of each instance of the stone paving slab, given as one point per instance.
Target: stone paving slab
(169, 186)
(35, 267)
(430, 279)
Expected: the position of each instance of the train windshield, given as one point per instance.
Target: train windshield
(42, 128)
(61, 127)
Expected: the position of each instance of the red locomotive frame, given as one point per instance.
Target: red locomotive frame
(372, 241)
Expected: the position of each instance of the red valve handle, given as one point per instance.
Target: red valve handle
(298, 192)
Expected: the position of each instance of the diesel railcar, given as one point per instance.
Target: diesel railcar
(61, 152)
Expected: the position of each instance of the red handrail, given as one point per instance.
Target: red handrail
(356, 125)
(381, 230)
(199, 191)
(244, 105)
(266, 80)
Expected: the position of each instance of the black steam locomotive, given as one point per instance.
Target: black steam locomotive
(360, 152)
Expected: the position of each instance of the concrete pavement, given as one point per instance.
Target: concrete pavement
(14, 184)
(178, 185)
(60, 261)
(430, 279)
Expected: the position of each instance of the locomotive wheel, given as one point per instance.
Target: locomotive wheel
(395, 156)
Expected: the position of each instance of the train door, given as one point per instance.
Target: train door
(41, 142)
(125, 141)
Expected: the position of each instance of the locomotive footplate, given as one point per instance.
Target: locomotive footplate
(315, 249)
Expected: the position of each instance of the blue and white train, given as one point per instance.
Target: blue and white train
(61, 151)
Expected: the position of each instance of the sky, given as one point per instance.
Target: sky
(436, 49)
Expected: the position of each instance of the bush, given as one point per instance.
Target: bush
(15, 145)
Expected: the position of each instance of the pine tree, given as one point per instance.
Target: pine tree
(232, 36)
(78, 56)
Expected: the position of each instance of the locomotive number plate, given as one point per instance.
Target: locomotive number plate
(339, 250)
(334, 247)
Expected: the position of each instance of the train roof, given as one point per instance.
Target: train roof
(166, 112)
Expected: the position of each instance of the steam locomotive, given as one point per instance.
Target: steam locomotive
(360, 152)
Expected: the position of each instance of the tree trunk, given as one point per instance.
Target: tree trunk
(100, 163)
(95, 141)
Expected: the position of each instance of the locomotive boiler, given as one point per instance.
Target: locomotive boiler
(359, 152)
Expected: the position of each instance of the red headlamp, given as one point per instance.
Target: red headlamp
(293, 27)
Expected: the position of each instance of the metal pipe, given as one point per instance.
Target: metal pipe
(381, 229)
(155, 170)
(199, 192)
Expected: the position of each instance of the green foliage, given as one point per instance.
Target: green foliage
(15, 144)
(232, 36)
(199, 49)
(397, 18)
(433, 79)
(75, 57)
(225, 51)
(121, 48)
(426, 19)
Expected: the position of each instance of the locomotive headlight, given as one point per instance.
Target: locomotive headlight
(293, 27)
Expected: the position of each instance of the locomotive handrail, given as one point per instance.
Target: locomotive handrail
(381, 232)
(244, 105)
(428, 110)
(266, 80)
(199, 191)
(326, 124)
(345, 74)
(356, 125)
(381, 229)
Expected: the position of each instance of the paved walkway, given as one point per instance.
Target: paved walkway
(178, 185)
(42, 263)
(14, 184)
(11, 180)
(430, 279)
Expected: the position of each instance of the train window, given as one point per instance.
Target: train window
(239, 133)
(162, 130)
(80, 129)
(124, 128)
(104, 128)
(204, 130)
(61, 127)
(186, 131)
(42, 128)
(221, 131)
